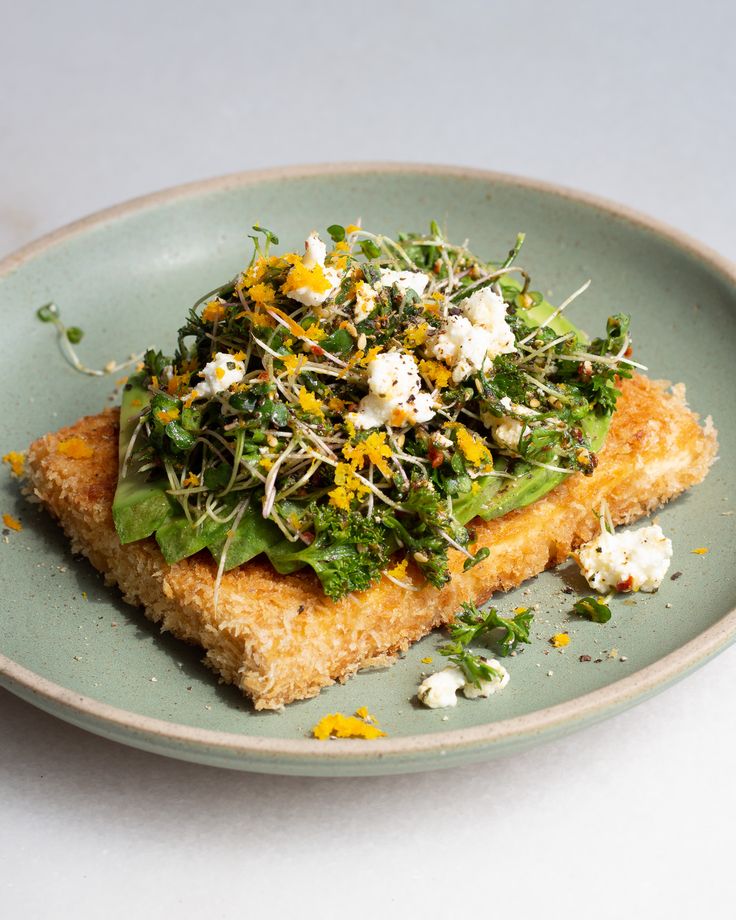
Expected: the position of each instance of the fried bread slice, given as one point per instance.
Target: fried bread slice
(278, 637)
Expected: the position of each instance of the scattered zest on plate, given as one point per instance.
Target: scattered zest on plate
(336, 725)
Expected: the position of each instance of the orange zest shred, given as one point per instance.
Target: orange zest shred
(700, 550)
(337, 725)
(316, 333)
(12, 522)
(427, 660)
(292, 325)
(168, 415)
(437, 373)
(16, 461)
(75, 448)
(371, 355)
(399, 570)
(293, 364)
(417, 336)
(471, 446)
(175, 383)
(309, 402)
(347, 487)
(263, 295)
(560, 640)
(191, 480)
(213, 311)
(313, 279)
(374, 449)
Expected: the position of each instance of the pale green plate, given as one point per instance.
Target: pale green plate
(127, 277)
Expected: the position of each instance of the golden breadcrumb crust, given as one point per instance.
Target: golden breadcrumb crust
(278, 637)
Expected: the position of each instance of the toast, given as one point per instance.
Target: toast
(279, 638)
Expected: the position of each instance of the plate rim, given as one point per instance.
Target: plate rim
(252, 751)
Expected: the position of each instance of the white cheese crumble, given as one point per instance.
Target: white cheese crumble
(220, 374)
(414, 281)
(439, 690)
(507, 430)
(365, 301)
(643, 555)
(467, 341)
(394, 396)
(315, 252)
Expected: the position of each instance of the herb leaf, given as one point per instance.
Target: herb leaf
(593, 608)
(337, 233)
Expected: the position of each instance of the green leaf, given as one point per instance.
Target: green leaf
(483, 553)
(178, 538)
(503, 633)
(338, 343)
(217, 477)
(337, 233)
(182, 439)
(369, 249)
(253, 536)
(269, 234)
(593, 608)
(474, 667)
(74, 334)
(47, 313)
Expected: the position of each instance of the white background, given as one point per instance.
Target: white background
(633, 101)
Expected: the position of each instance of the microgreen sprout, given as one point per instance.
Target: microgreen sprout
(68, 336)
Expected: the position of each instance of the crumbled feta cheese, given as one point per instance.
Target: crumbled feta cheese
(488, 687)
(314, 255)
(220, 374)
(486, 309)
(441, 440)
(439, 690)
(365, 301)
(414, 281)
(481, 333)
(462, 346)
(507, 430)
(612, 559)
(394, 396)
(315, 251)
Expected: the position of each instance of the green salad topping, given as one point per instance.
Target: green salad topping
(354, 410)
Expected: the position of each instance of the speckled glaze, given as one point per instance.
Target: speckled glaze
(127, 275)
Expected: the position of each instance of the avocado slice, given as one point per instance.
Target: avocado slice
(140, 505)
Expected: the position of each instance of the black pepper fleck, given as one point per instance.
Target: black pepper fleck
(585, 657)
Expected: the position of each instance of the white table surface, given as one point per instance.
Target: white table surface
(633, 101)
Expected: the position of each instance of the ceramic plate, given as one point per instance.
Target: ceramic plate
(127, 276)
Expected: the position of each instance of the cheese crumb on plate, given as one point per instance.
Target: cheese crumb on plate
(627, 560)
(439, 690)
